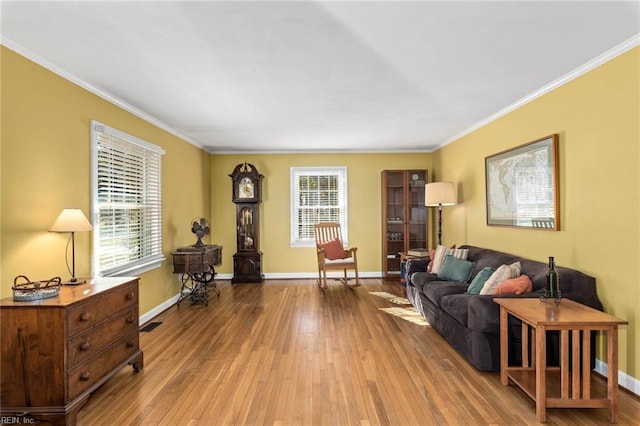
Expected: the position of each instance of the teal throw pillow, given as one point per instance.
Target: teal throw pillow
(454, 269)
(479, 280)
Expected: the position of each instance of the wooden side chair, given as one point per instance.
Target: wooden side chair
(332, 254)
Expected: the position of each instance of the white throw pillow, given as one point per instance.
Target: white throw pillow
(438, 258)
(503, 273)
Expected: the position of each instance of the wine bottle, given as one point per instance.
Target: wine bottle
(553, 285)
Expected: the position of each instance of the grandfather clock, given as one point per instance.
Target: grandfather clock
(247, 262)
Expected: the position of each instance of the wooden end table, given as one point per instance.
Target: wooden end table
(532, 377)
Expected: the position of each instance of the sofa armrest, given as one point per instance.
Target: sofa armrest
(416, 265)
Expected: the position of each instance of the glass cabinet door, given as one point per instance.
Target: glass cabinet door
(394, 217)
(417, 221)
(404, 223)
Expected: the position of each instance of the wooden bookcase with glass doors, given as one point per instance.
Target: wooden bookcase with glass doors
(404, 217)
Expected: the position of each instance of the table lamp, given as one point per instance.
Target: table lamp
(438, 194)
(71, 220)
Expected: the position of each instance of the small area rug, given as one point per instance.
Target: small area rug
(406, 313)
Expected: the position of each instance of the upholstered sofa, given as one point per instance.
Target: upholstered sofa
(471, 322)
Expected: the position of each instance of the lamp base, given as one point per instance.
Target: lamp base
(75, 281)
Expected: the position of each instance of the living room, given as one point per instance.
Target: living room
(46, 120)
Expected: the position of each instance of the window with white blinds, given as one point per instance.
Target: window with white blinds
(127, 202)
(318, 194)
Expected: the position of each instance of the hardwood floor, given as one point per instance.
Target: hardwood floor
(284, 353)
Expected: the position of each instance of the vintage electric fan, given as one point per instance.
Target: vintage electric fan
(200, 227)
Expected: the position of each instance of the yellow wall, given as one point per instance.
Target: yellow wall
(1, 128)
(597, 119)
(45, 159)
(364, 193)
(46, 166)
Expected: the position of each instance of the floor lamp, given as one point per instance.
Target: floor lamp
(71, 220)
(438, 194)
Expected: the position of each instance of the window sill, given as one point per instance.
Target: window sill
(302, 244)
(136, 270)
(299, 244)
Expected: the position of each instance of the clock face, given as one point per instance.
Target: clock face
(245, 189)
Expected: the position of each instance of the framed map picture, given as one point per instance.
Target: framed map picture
(522, 186)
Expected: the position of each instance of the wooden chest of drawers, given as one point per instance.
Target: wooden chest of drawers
(57, 351)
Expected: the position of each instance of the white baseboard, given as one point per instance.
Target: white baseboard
(157, 310)
(304, 275)
(224, 276)
(626, 381)
(314, 275)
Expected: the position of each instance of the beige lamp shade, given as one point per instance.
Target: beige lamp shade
(439, 194)
(71, 220)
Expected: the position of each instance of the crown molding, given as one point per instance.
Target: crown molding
(583, 69)
(10, 44)
(320, 151)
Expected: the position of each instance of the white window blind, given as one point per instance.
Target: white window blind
(127, 203)
(318, 194)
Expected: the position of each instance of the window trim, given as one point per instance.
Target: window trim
(341, 171)
(138, 266)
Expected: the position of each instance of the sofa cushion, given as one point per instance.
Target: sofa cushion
(436, 290)
(456, 305)
(503, 273)
(519, 285)
(479, 280)
(454, 269)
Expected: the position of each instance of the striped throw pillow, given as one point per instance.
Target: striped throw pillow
(503, 273)
(460, 253)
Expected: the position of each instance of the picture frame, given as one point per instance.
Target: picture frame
(522, 186)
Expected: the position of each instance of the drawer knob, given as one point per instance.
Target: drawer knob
(130, 296)
(85, 376)
(84, 346)
(130, 320)
(84, 316)
(130, 344)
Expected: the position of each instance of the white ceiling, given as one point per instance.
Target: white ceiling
(291, 76)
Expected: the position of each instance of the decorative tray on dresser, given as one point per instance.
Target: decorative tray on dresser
(57, 351)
